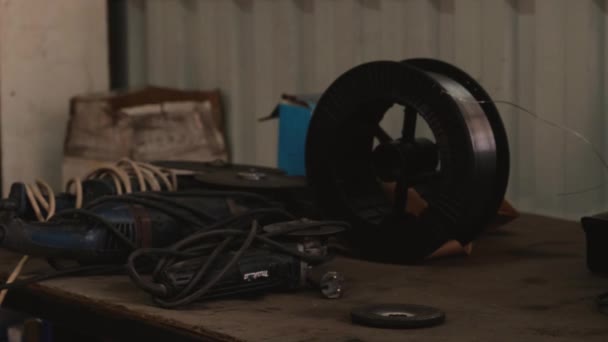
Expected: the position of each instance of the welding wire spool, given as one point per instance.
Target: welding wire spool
(463, 173)
(397, 316)
(471, 94)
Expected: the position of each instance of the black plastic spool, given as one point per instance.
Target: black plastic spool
(339, 158)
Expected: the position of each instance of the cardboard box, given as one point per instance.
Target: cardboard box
(144, 125)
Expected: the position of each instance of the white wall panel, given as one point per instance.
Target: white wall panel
(521, 126)
(51, 51)
(549, 93)
(548, 56)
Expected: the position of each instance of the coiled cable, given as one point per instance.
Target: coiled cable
(166, 204)
(237, 237)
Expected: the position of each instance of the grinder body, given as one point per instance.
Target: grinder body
(257, 271)
(88, 239)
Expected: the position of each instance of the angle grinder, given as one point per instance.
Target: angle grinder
(287, 256)
(108, 229)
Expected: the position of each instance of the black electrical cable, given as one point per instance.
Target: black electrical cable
(238, 240)
(256, 213)
(174, 208)
(184, 297)
(219, 193)
(198, 212)
(175, 211)
(93, 216)
(235, 234)
(166, 205)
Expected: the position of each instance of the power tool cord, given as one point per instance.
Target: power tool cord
(194, 216)
(169, 207)
(238, 237)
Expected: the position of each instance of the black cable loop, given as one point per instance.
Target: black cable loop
(206, 287)
(236, 234)
(220, 193)
(199, 213)
(91, 215)
(190, 248)
(167, 210)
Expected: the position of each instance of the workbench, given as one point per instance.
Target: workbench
(526, 281)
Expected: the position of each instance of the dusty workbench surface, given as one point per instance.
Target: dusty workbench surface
(526, 281)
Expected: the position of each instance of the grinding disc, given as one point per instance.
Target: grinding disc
(249, 179)
(216, 165)
(397, 316)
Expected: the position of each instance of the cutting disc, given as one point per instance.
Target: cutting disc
(397, 316)
(306, 228)
(249, 179)
(216, 165)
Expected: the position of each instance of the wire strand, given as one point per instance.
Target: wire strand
(578, 135)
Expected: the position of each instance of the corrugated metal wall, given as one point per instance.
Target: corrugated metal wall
(546, 55)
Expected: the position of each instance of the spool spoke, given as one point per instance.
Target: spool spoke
(408, 130)
(425, 178)
(400, 197)
(382, 136)
(445, 210)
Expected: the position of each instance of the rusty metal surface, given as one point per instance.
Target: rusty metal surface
(524, 282)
